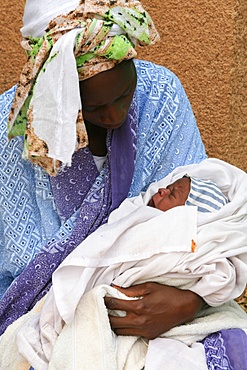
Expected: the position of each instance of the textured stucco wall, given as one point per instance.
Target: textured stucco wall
(204, 42)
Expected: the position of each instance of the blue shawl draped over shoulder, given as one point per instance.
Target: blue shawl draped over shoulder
(43, 219)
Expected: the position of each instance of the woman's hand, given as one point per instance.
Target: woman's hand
(161, 308)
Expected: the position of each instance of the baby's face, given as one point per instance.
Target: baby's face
(173, 195)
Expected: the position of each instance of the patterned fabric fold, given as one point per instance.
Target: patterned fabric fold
(226, 350)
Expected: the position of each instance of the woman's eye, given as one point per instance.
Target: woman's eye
(126, 93)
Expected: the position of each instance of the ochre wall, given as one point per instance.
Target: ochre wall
(204, 42)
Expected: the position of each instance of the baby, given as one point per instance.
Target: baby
(190, 191)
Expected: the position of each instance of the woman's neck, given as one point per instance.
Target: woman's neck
(97, 139)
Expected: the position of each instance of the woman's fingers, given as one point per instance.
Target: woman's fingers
(121, 304)
(136, 291)
(158, 309)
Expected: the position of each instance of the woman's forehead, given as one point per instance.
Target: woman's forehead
(108, 85)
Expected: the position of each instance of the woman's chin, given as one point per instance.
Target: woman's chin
(112, 126)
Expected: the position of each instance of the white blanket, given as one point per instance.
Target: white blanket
(139, 244)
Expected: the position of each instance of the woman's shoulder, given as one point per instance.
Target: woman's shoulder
(6, 100)
(157, 80)
(8, 94)
(146, 69)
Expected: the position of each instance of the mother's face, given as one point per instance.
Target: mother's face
(106, 97)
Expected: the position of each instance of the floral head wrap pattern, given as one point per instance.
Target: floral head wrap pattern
(92, 38)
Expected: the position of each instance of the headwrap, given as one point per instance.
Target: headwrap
(81, 40)
(206, 195)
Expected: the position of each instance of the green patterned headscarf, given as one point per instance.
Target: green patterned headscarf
(92, 38)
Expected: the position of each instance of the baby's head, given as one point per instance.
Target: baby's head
(204, 194)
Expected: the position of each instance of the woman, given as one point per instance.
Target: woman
(99, 140)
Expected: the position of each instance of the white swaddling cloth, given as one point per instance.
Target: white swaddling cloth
(217, 270)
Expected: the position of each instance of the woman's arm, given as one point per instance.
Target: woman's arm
(160, 308)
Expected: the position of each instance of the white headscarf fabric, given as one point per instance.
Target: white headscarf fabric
(39, 13)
